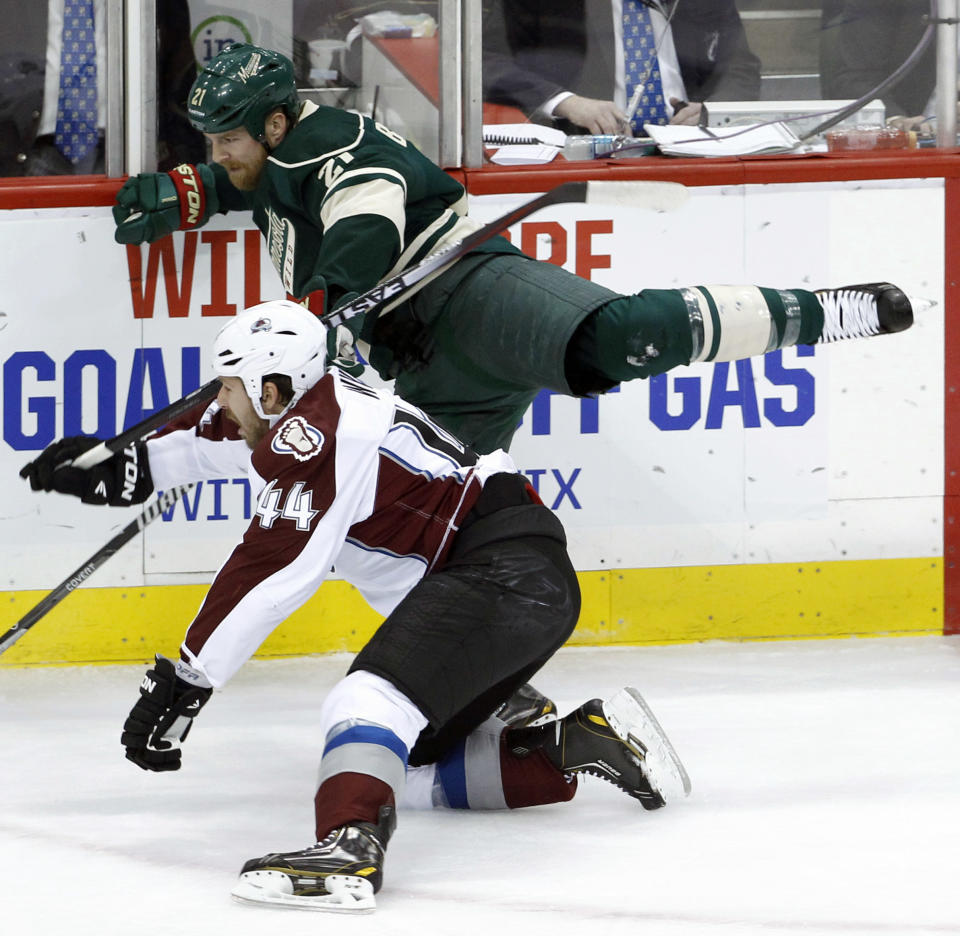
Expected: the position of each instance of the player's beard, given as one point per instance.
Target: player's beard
(246, 175)
(252, 427)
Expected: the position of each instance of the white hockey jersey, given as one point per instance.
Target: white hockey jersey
(351, 478)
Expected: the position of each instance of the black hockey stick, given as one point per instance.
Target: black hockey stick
(79, 576)
(654, 196)
(143, 428)
(93, 457)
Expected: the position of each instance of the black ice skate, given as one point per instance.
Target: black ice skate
(619, 741)
(861, 311)
(527, 708)
(339, 874)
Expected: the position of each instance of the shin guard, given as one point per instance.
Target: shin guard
(659, 329)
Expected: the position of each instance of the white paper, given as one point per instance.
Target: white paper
(522, 133)
(679, 140)
(523, 155)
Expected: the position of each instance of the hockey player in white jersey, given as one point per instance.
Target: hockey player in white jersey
(469, 569)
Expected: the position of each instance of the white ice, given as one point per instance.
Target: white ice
(826, 802)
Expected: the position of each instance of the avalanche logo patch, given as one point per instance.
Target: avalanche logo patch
(298, 438)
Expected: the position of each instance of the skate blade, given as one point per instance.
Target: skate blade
(631, 718)
(345, 893)
(921, 304)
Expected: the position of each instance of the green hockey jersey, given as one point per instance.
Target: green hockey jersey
(345, 202)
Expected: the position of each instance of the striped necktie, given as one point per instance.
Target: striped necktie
(641, 66)
(76, 132)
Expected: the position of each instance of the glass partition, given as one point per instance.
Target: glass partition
(53, 87)
(177, 141)
(587, 74)
(380, 57)
(601, 72)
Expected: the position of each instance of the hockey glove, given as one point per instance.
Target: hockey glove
(121, 480)
(161, 720)
(153, 204)
(341, 339)
(342, 342)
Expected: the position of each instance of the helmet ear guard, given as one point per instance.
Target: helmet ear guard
(241, 86)
(277, 337)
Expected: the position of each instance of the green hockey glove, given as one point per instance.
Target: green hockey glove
(153, 204)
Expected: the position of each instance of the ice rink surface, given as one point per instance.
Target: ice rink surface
(826, 802)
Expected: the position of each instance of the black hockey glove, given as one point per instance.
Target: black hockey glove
(161, 719)
(121, 480)
(153, 204)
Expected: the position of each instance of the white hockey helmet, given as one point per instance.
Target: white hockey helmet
(277, 337)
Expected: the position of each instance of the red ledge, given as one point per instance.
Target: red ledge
(57, 192)
(814, 167)
(93, 191)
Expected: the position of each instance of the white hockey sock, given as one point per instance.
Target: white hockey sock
(730, 323)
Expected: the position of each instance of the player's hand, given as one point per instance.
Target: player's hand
(154, 204)
(162, 717)
(342, 341)
(594, 115)
(147, 208)
(120, 480)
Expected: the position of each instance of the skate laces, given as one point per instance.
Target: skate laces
(848, 313)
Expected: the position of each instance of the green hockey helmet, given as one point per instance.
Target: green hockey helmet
(239, 87)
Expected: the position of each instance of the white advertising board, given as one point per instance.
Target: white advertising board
(804, 455)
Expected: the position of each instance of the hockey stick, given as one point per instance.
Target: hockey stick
(92, 457)
(653, 196)
(79, 576)
(155, 420)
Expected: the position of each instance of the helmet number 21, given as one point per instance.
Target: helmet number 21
(198, 96)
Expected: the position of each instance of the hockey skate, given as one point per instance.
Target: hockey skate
(862, 311)
(527, 708)
(618, 740)
(340, 874)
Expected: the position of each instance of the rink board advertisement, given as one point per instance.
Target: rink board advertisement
(795, 494)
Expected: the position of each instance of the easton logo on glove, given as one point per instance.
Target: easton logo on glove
(131, 475)
(191, 193)
(161, 720)
(152, 205)
(120, 480)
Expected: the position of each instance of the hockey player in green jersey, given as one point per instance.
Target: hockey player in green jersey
(345, 202)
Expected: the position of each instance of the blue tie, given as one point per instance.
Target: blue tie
(641, 66)
(76, 131)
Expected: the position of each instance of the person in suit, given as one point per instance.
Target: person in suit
(30, 90)
(559, 61)
(862, 42)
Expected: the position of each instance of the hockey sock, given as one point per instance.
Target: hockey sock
(484, 772)
(348, 798)
(369, 727)
(531, 779)
(659, 329)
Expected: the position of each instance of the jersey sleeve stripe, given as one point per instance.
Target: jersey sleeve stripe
(379, 196)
